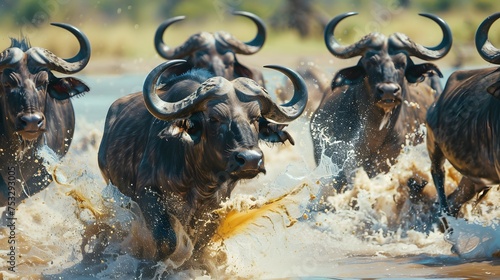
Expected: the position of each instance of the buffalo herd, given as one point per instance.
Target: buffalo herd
(179, 147)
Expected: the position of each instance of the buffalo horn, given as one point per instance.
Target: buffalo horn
(10, 56)
(196, 41)
(183, 108)
(487, 51)
(193, 43)
(333, 44)
(65, 66)
(292, 109)
(251, 46)
(428, 53)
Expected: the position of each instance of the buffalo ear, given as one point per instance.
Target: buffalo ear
(64, 88)
(348, 76)
(273, 132)
(494, 90)
(243, 71)
(416, 72)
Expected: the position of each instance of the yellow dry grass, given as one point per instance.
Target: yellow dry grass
(124, 46)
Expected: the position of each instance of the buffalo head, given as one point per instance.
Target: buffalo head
(223, 120)
(385, 66)
(26, 82)
(215, 52)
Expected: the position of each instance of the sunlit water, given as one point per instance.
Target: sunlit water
(373, 230)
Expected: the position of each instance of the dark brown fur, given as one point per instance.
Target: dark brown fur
(463, 127)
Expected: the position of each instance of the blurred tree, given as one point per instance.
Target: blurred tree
(167, 8)
(484, 5)
(405, 4)
(6, 6)
(437, 6)
(299, 15)
(196, 10)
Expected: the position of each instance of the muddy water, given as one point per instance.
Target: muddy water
(373, 230)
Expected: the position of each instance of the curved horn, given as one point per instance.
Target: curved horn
(335, 47)
(292, 109)
(171, 110)
(484, 47)
(168, 53)
(429, 53)
(251, 46)
(9, 57)
(66, 66)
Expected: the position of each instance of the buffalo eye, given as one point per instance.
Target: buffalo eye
(263, 126)
(399, 65)
(373, 59)
(41, 86)
(41, 81)
(10, 78)
(399, 61)
(255, 121)
(213, 119)
(193, 127)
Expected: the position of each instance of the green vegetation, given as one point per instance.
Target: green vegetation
(125, 29)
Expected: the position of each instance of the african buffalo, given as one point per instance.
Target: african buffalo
(180, 155)
(215, 52)
(35, 110)
(374, 106)
(463, 125)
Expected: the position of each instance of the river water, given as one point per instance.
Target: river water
(373, 230)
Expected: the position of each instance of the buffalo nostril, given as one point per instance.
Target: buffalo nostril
(388, 88)
(240, 159)
(249, 159)
(31, 121)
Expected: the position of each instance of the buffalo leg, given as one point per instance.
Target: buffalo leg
(157, 220)
(438, 174)
(465, 191)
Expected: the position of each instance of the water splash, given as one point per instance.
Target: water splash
(267, 229)
(473, 241)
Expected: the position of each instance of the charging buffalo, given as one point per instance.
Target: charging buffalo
(35, 110)
(463, 126)
(215, 52)
(372, 107)
(179, 150)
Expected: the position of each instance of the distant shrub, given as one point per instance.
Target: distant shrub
(437, 6)
(483, 5)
